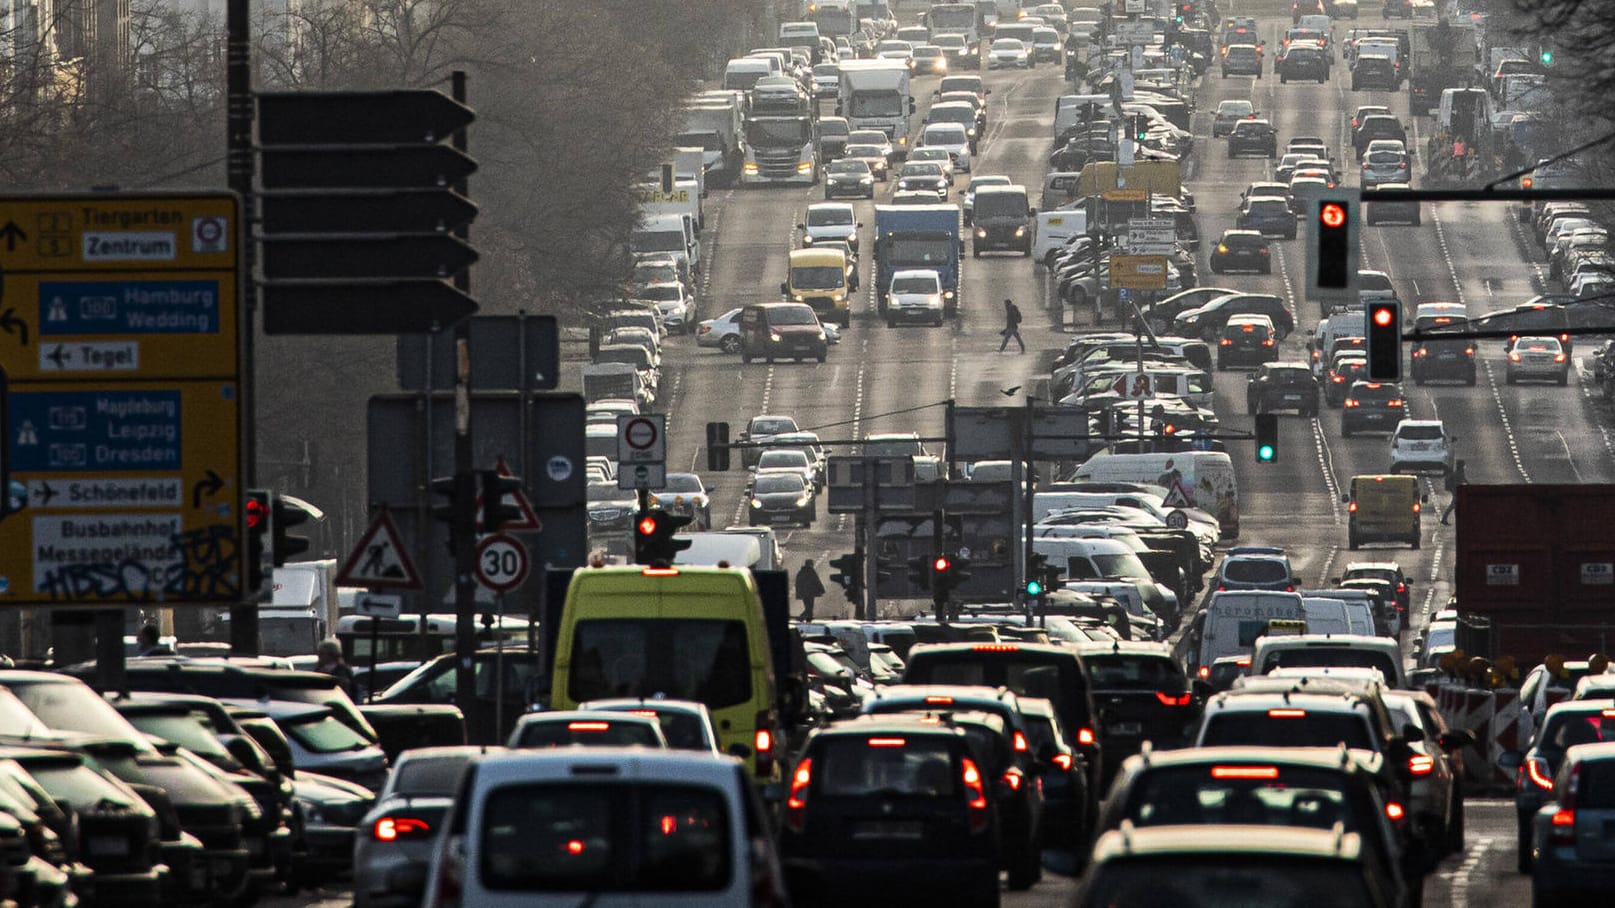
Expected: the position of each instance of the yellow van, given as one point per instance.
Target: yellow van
(683, 633)
(1383, 508)
(825, 280)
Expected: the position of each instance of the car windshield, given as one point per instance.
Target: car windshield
(18, 720)
(844, 166)
(80, 786)
(1241, 794)
(1000, 205)
(827, 69)
(1120, 564)
(773, 460)
(1133, 671)
(792, 315)
(761, 427)
(1255, 570)
(891, 765)
(559, 731)
(1008, 44)
(818, 277)
(321, 733)
(1569, 728)
(1286, 727)
(780, 483)
(914, 285)
(686, 659)
(580, 836)
(682, 482)
(193, 731)
(829, 216)
(683, 730)
(600, 491)
(1330, 657)
(1419, 433)
(1235, 108)
(865, 151)
(661, 292)
(922, 169)
(73, 706)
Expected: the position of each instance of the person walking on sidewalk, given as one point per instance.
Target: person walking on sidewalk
(1012, 326)
(808, 588)
(1455, 479)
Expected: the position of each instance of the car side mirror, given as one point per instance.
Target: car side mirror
(247, 754)
(1425, 498)
(1031, 212)
(1295, 581)
(784, 287)
(801, 226)
(738, 750)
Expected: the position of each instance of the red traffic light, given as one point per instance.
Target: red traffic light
(647, 526)
(256, 511)
(1332, 215)
(940, 564)
(1383, 316)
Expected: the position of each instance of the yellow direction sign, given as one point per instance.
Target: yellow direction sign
(1138, 272)
(120, 362)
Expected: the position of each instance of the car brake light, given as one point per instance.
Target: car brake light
(1244, 772)
(588, 726)
(1401, 588)
(1351, 402)
(1513, 357)
(1559, 357)
(1173, 699)
(1394, 810)
(391, 829)
(1417, 507)
(797, 802)
(1537, 769)
(976, 794)
(1020, 742)
(1563, 826)
(996, 648)
(1268, 342)
(660, 572)
(939, 700)
(1063, 761)
(1225, 342)
(1351, 507)
(643, 713)
(1012, 778)
(1286, 713)
(1085, 736)
(1421, 765)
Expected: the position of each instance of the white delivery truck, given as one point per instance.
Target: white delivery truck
(875, 94)
(1230, 625)
(1192, 479)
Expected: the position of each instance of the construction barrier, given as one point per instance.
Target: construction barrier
(1499, 723)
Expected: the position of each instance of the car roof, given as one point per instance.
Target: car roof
(1320, 695)
(1279, 842)
(636, 763)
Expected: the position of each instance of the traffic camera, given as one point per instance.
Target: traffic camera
(653, 537)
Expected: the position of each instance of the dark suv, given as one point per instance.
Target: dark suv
(1142, 695)
(1372, 404)
(888, 805)
(1374, 71)
(1247, 340)
(1253, 137)
(1304, 63)
(781, 330)
(1444, 359)
(1269, 215)
(1282, 386)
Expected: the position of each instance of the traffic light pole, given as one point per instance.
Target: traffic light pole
(240, 114)
(869, 540)
(463, 526)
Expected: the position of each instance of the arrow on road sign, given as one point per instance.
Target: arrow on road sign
(363, 307)
(11, 233)
(209, 486)
(11, 324)
(380, 560)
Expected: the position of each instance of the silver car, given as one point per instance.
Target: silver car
(1541, 358)
(1384, 167)
(393, 851)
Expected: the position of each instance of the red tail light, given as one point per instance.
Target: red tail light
(1394, 810)
(1513, 357)
(796, 804)
(1085, 736)
(996, 648)
(1063, 761)
(588, 726)
(1286, 713)
(1013, 778)
(1244, 772)
(1421, 765)
(1559, 358)
(976, 793)
(1173, 700)
(1417, 507)
(1351, 507)
(1225, 342)
(1268, 342)
(1563, 826)
(762, 742)
(888, 742)
(391, 829)
(1020, 742)
(1537, 769)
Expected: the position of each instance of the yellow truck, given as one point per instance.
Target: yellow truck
(824, 279)
(1383, 508)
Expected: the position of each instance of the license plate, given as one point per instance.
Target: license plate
(1292, 397)
(888, 829)
(782, 518)
(109, 845)
(1125, 728)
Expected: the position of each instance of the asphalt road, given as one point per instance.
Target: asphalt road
(881, 380)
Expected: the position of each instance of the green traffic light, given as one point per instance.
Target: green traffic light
(1546, 57)
(1265, 453)
(1033, 588)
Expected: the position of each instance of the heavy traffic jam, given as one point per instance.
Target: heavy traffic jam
(1103, 500)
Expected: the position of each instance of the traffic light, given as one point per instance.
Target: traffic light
(1267, 438)
(849, 576)
(718, 446)
(1037, 568)
(1383, 341)
(495, 488)
(1545, 57)
(1332, 254)
(1141, 128)
(653, 536)
(258, 515)
(919, 572)
(289, 512)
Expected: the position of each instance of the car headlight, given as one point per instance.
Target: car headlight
(804, 167)
(773, 336)
(1020, 231)
(934, 301)
(837, 296)
(802, 502)
(971, 133)
(756, 502)
(798, 298)
(852, 237)
(807, 240)
(865, 179)
(947, 294)
(902, 140)
(981, 232)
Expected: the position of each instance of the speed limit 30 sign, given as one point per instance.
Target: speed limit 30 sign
(502, 563)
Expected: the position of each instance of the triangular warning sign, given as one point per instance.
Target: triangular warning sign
(380, 561)
(529, 519)
(1175, 496)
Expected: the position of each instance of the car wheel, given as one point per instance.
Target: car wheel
(730, 344)
(1268, 268)
(1509, 378)
(1415, 220)
(975, 251)
(1284, 80)
(1345, 432)
(1351, 541)
(1471, 380)
(1564, 379)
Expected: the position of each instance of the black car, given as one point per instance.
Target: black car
(1378, 126)
(1064, 777)
(1282, 386)
(39, 843)
(849, 177)
(1443, 359)
(1142, 695)
(890, 806)
(1372, 404)
(1246, 340)
(1238, 250)
(1304, 63)
(1253, 137)
(1208, 320)
(1374, 71)
(781, 496)
(1268, 215)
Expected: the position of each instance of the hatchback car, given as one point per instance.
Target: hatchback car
(1267, 215)
(954, 137)
(393, 851)
(1304, 63)
(1573, 834)
(1375, 71)
(849, 177)
(685, 494)
(1376, 212)
(1241, 250)
(929, 61)
(1229, 112)
(1282, 386)
(1537, 359)
(1384, 166)
(1421, 445)
(1247, 340)
(1350, 367)
(1254, 567)
(1253, 137)
(1567, 725)
(877, 159)
(1372, 405)
(915, 295)
(781, 496)
(1242, 60)
(923, 177)
(579, 728)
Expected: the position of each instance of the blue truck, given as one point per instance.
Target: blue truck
(918, 236)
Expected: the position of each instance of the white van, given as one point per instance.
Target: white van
(1359, 607)
(1091, 559)
(742, 73)
(1146, 624)
(1383, 654)
(1192, 479)
(1231, 623)
(738, 546)
(1326, 616)
(584, 809)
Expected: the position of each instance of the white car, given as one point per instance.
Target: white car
(674, 305)
(830, 221)
(1009, 53)
(915, 295)
(1421, 445)
(722, 332)
(936, 154)
(951, 136)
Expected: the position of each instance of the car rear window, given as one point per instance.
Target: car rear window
(1241, 794)
(430, 776)
(586, 733)
(1255, 570)
(605, 838)
(885, 765)
(683, 659)
(1028, 674)
(1419, 433)
(1191, 881)
(1330, 657)
(1567, 729)
(1595, 789)
(1133, 671)
(1284, 727)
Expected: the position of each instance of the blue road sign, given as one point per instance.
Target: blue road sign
(128, 307)
(94, 431)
